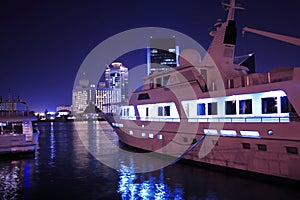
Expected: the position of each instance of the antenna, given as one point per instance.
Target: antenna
(231, 7)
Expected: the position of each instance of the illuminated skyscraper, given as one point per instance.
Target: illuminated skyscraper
(114, 90)
(162, 54)
(83, 95)
(106, 96)
(116, 77)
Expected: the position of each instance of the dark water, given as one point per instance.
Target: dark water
(63, 168)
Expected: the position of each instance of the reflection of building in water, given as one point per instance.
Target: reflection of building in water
(83, 95)
(131, 186)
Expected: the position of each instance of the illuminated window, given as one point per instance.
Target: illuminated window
(200, 109)
(212, 108)
(245, 106)
(269, 105)
(230, 107)
(159, 136)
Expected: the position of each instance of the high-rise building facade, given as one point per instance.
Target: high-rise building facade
(83, 95)
(116, 77)
(114, 90)
(162, 54)
(107, 96)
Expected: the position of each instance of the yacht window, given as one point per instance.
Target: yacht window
(167, 111)
(158, 82)
(246, 145)
(262, 147)
(166, 79)
(147, 111)
(143, 96)
(245, 106)
(151, 84)
(212, 108)
(200, 109)
(164, 111)
(159, 136)
(286, 106)
(292, 150)
(160, 111)
(269, 105)
(230, 107)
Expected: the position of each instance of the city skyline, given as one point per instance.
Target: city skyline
(44, 43)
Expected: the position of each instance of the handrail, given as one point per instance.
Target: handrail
(218, 119)
(14, 113)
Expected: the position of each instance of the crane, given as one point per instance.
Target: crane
(288, 39)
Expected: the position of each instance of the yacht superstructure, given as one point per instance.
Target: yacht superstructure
(214, 112)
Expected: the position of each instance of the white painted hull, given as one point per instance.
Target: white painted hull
(16, 143)
(229, 151)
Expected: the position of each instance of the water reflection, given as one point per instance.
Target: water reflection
(13, 175)
(63, 169)
(52, 146)
(145, 186)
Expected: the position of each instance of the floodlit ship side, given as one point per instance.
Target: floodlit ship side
(17, 134)
(218, 113)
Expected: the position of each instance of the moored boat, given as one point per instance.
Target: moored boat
(17, 134)
(217, 112)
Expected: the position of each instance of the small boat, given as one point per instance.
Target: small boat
(17, 134)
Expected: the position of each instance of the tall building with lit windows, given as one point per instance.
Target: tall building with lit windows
(83, 95)
(106, 96)
(114, 90)
(162, 54)
(116, 77)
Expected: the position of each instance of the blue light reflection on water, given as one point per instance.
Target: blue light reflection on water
(27, 174)
(74, 173)
(152, 187)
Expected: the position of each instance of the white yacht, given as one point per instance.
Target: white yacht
(216, 112)
(17, 134)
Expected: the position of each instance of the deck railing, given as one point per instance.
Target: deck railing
(218, 119)
(14, 113)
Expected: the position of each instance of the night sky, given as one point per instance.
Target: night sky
(43, 43)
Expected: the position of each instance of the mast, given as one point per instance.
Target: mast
(222, 48)
(231, 9)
